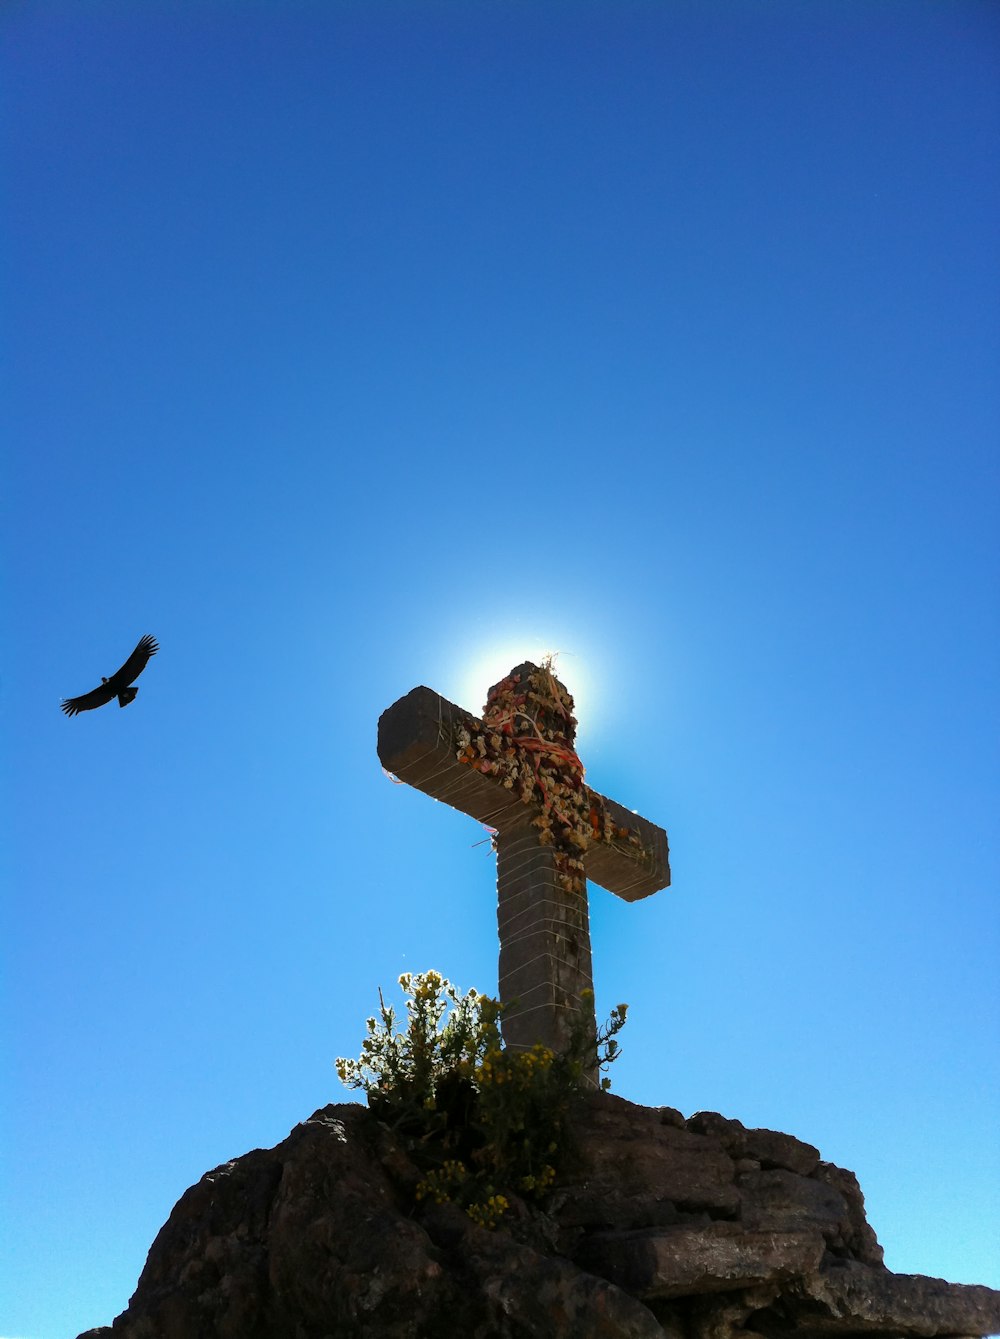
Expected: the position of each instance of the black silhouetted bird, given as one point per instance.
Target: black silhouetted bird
(118, 685)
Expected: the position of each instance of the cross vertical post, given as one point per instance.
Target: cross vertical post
(545, 956)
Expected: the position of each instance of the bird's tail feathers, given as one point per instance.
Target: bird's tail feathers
(126, 696)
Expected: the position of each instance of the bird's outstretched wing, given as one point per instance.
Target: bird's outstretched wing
(133, 667)
(88, 701)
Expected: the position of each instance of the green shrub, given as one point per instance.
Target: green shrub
(480, 1122)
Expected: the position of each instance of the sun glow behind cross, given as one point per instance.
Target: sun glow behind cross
(490, 664)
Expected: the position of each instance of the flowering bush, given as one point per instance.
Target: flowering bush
(479, 1120)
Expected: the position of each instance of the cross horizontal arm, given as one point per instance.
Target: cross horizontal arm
(629, 868)
(416, 742)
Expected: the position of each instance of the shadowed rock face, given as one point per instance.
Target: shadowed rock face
(695, 1229)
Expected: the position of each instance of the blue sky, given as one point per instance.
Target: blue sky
(353, 346)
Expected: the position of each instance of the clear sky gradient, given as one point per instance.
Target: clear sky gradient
(353, 346)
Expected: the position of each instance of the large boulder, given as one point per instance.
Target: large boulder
(662, 1226)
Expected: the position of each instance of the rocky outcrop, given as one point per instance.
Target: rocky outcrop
(696, 1229)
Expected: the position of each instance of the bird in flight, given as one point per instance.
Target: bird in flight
(119, 684)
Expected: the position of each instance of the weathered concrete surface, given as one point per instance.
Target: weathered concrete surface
(544, 930)
(690, 1230)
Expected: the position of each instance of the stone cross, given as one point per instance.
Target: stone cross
(515, 769)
